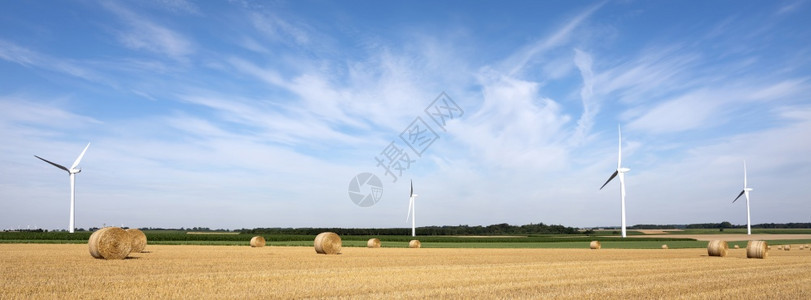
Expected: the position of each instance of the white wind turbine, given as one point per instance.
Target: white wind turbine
(745, 192)
(621, 172)
(412, 213)
(72, 171)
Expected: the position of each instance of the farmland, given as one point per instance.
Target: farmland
(677, 239)
(172, 271)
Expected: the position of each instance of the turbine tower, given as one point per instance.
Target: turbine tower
(72, 172)
(745, 192)
(412, 213)
(621, 172)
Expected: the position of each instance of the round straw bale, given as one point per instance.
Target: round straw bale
(737, 247)
(757, 249)
(769, 247)
(780, 247)
(664, 246)
(138, 240)
(373, 243)
(258, 241)
(787, 247)
(595, 245)
(327, 243)
(110, 243)
(414, 244)
(717, 248)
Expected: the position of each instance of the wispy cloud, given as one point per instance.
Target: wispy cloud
(279, 29)
(34, 59)
(789, 7)
(144, 34)
(518, 61)
(590, 105)
(179, 6)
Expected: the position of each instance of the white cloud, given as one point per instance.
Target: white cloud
(515, 126)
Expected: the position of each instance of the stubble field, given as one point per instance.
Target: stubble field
(67, 271)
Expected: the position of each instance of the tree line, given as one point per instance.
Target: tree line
(722, 225)
(495, 229)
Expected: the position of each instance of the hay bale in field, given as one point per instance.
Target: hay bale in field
(717, 248)
(769, 247)
(664, 246)
(780, 247)
(787, 247)
(138, 239)
(258, 241)
(757, 249)
(373, 243)
(110, 243)
(414, 244)
(737, 247)
(595, 245)
(327, 243)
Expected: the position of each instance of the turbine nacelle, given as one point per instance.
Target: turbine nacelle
(75, 171)
(623, 170)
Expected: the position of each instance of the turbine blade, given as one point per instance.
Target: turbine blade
(610, 178)
(410, 207)
(412, 189)
(78, 159)
(53, 163)
(739, 195)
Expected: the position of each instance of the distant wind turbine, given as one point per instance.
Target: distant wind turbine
(621, 172)
(412, 213)
(72, 171)
(745, 192)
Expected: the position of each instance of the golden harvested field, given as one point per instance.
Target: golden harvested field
(68, 271)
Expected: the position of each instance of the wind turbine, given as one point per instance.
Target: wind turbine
(72, 171)
(412, 213)
(621, 172)
(745, 192)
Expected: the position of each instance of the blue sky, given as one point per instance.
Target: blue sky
(232, 114)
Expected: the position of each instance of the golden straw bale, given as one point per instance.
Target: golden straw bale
(373, 243)
(595, 245)
(787, 247)
(664, 246)
(327, 243)
(757, 249)
(414, 244)
(110, 243)
(257, 241)
(737, 247)
(717, 248)
(780, 247)
(138, 240)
